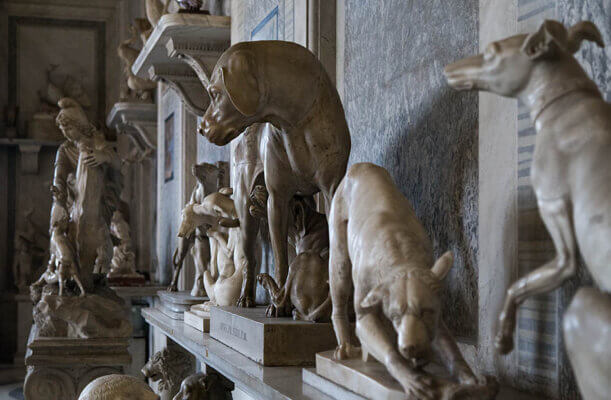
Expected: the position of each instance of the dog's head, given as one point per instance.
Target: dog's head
(506, 66)
(411, 302)
(235, 96)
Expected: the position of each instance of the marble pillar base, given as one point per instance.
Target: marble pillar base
(174, 304)
(270, 341)
(198, 320)
(59, 368)
(371, 380)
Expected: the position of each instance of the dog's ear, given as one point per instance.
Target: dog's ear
(241, 83)
(226, 191)
(547, 42)
(443, 265)
(584, 30)
(376, 295)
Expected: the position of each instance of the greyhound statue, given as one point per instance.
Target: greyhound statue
(379, 248)
(571, 177)
(284, 84)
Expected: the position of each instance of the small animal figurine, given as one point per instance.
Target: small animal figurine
(168, 367)
(62, 251)
(117, 387)
(380, 253)
(571, 177)
(155, 9)
(285, 85)
(205, 386)
(307, 283)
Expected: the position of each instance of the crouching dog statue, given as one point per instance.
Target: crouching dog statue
(379, 248)
(571, 177)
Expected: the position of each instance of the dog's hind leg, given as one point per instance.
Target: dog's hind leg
(558, 219)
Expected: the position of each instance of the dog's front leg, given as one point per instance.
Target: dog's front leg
(377, 341)
(558, 219)
(277, 212)
(450, 355)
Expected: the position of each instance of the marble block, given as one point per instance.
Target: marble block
(174, 304)
(60, 367)
(368, 379)
(270, 341)
(198, 320)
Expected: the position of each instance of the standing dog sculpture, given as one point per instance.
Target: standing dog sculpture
(247, 172)
(571, 177)
(379, 248)
(284, 84)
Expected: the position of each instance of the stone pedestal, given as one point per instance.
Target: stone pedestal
(174, 304)
(371, 380)
(24, 324)
(270, 341)
(199, 320)
(59, 368)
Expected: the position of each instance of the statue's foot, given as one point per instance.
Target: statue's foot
(484, 388)
(346, 351)
(246, 302)
(279, 311)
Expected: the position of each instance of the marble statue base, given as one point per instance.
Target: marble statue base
(270, 341)
(198, 319)
(371, 380)
(59, 368)
(174, 304)
(127, 280)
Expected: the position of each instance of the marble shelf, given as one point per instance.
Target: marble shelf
(273, 383)
(139, 121)
(29, 149)
(182, 51)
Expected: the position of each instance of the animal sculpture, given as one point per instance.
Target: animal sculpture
(283, 84)
(571, 177)
(381, 254)
(205, 386)
(307, 284)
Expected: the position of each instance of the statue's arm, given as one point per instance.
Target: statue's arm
(64, 165)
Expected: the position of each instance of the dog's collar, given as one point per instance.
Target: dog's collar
(544, 96)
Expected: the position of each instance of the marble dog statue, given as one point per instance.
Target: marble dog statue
(246, 172)
(571, 177)
(283, 84)
(205, 386)
(62, 251)
(307, 283)
(209, 178)
(379, 248)
(167, 367)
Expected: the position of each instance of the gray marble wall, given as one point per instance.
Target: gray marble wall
(403, 116)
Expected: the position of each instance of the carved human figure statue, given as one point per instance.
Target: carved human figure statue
(571, 177)
(95, 165)
(27, 248)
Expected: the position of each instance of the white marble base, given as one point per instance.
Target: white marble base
(174, 304)
(310, 377)
(368, 379)
(270, 341)
(198, 321)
